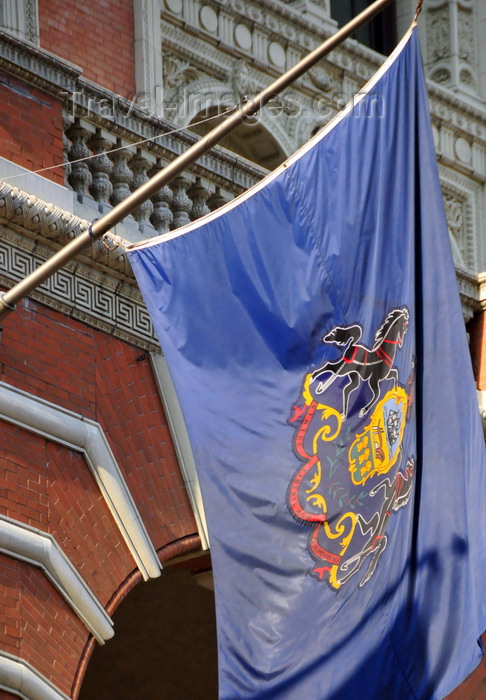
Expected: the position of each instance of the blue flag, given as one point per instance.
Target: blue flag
(314, 333)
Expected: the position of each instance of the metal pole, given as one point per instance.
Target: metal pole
(147, 190)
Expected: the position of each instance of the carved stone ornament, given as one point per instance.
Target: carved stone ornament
(43, 219)
(31, 27)
(455, 216)
(320, 78)
(466, 35)
(441, 75)
(466, 78)
(177, 73)
(438, 40)
(456, 220)
(241, 81)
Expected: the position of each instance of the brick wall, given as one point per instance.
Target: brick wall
(30, 127)
(50, 487)
(98, 36)
(51, 637)
(474, 687)
(477, 344)
(37, 624)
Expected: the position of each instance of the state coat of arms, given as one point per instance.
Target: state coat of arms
(350, 422)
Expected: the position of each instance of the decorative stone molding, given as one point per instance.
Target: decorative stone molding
(285, 19)
(79, 290)
(20, 678)
(86, 436)
(451, 50)
(438, 45)
(22, 210)
(469, 293)
(182, 444)
(482, 296)
(456, 215)
(464, 206)
(28, 544)
(21, 17)
(40, 67)
(148, 52)
(177, 73)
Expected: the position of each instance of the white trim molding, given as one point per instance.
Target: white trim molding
(21, 17)
(86, 436)
(181, 441)
(19, 677)
(39, 548)
(148, 54)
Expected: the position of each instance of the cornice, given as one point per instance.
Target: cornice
(25, 212)
(80, 291)
(469, 292)
(443, 98)
(300, 35)
(38, 66)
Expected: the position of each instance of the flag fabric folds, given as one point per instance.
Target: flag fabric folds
(314, 333)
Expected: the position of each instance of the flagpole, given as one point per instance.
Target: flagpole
(139, 196)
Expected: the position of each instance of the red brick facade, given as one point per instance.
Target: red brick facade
(48, 486)
(97, 36)
(30, 127)
(477, 343)
(474, 687)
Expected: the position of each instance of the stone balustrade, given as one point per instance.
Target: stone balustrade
(103, 169)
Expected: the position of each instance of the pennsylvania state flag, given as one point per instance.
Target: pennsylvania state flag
(314, 334)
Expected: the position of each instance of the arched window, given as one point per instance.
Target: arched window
(378, 34)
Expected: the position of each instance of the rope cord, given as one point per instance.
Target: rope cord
(418, 9)
(114, 150)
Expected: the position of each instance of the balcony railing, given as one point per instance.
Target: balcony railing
(103, 168)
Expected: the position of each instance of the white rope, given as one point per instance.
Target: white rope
(114, 150)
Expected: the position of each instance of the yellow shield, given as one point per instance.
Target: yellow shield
(376, 449)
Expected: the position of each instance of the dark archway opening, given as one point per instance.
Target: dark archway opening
(164, 646)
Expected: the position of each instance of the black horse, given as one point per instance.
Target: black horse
(397, 495)
(372, 365)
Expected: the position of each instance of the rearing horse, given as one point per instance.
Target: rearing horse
(372, 365)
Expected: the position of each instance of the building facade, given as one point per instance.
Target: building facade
(98, 491)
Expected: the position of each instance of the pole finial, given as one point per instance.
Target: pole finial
(418, 9)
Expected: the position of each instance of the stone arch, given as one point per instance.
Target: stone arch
(165, 636)
(263, 140)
